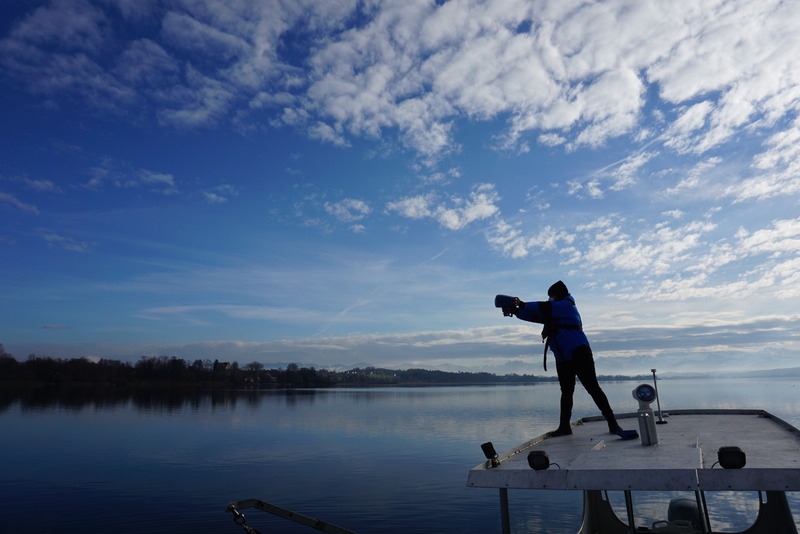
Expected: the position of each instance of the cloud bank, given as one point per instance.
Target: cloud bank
(577, 74)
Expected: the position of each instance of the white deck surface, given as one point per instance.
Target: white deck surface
(591, 458)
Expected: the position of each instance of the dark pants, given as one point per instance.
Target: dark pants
(581, 366)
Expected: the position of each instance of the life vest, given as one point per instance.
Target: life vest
(551, 326)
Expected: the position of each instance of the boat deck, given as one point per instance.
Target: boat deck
(683, 459)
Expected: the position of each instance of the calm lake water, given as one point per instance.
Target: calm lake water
(384, 460)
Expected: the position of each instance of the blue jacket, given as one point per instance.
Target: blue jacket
(562, 324)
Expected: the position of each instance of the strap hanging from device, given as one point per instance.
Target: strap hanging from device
(548, 331)
(544, 357)
(549, 328)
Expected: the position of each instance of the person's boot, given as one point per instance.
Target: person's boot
(613, 426)
(564, 428)
(561, 431)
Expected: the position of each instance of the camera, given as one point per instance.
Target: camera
(507, 303)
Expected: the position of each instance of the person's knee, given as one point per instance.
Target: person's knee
(594, 390)
(566, 383)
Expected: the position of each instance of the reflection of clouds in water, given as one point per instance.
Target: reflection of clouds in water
(794, 504)
(432, 413)
(729, 511)
(547, 511)
(732, 511)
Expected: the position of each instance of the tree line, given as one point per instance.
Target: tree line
(153, 371)
(172, 371)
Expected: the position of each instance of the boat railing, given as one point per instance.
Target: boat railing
(279, 511)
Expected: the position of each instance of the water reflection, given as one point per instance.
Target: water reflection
(373, 460)
(728, 511)
(144, 399)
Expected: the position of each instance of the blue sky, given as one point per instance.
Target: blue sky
(339, 183)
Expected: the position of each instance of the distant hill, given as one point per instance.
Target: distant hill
(790, 372)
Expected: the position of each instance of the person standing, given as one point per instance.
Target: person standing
(563, 334)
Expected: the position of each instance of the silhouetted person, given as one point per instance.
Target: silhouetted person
(563, 332)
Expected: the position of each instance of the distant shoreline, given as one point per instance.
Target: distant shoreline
(174, 373)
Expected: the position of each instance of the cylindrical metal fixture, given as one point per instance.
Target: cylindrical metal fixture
(647, 427)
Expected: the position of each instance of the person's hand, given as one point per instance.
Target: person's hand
(509, 310)
(519, 304)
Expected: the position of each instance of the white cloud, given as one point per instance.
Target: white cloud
(778, 168)
(214, 198)
(453, 214)
(135, 10)
(158, 182)
(737, 54)
(220, 194)
(696, 179)
(348, 210)
(658, 251)
(508, 240)
(42, 185)
(72, 24)
(551, 139)
(615, 177)
(676, 258)
(186, 32)
(589, 66)
(416, 207)
(511, 241)
(626, 174)
(576, 75)
(202, 101)
(782, 237)
(67, 243)
(481, 204)
(675, 214)
(326, 132)
(7, 198)
(54, 49)
(148, 65)
(611, 107)
(112, 172)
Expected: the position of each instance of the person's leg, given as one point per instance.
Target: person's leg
(584, 368)
(566, 380)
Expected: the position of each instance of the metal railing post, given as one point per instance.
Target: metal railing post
(505, 518)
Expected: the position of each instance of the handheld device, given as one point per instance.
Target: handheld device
(505, 301)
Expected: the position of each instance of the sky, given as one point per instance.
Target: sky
(352, 182)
